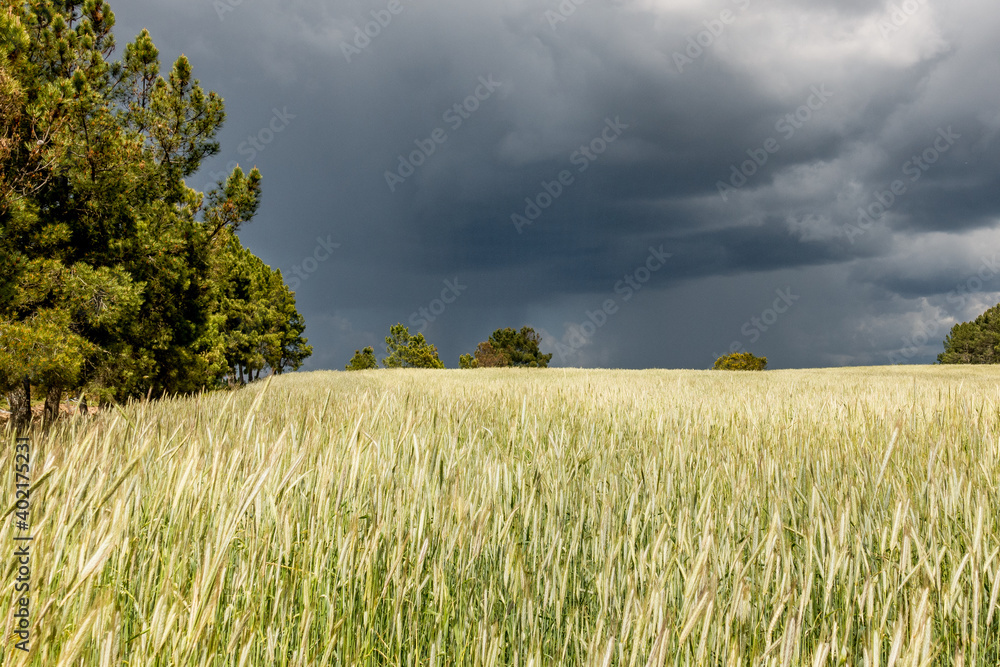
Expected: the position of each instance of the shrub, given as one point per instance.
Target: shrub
(363, 360)
(740, 361)
(488, 356)
(508, 347)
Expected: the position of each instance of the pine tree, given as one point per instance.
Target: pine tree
(259, 326)
(508, 347)
(98, 229)
(43, 351)
(363, 360)
(409, 351)
(976, 342)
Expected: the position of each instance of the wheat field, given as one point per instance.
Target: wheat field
(515, 517)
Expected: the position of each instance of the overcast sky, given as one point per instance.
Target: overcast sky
(649, 183)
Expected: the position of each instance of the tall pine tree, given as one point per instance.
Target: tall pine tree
(102, 244)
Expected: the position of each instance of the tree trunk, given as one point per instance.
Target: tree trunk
(20, 405)
(83, 409)
(52, 400)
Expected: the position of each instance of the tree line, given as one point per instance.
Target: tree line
(504, 348)
(118, 278)
(976, 342)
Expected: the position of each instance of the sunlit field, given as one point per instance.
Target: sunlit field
(821, 517)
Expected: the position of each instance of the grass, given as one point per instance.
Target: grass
(822, 517)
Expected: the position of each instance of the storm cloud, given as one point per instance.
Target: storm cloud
(535, 153)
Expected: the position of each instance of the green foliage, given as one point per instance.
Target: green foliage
(487, 356)
(507, 347)
(236, 202)
(98, 230)
(408, 351)
(976, 342)
(467, 361)
(259, 325)
(43, 349)
(363, 360)
(11, 112)
(740, 361)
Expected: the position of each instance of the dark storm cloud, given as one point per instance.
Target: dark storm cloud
(757, 143)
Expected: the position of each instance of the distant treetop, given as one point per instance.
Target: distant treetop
(976, 342)
(507, 347)
(740, 361)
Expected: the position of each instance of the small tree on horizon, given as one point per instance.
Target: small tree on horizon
(363, 360)
(408, 351)
(740, 361)
(508, 347)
